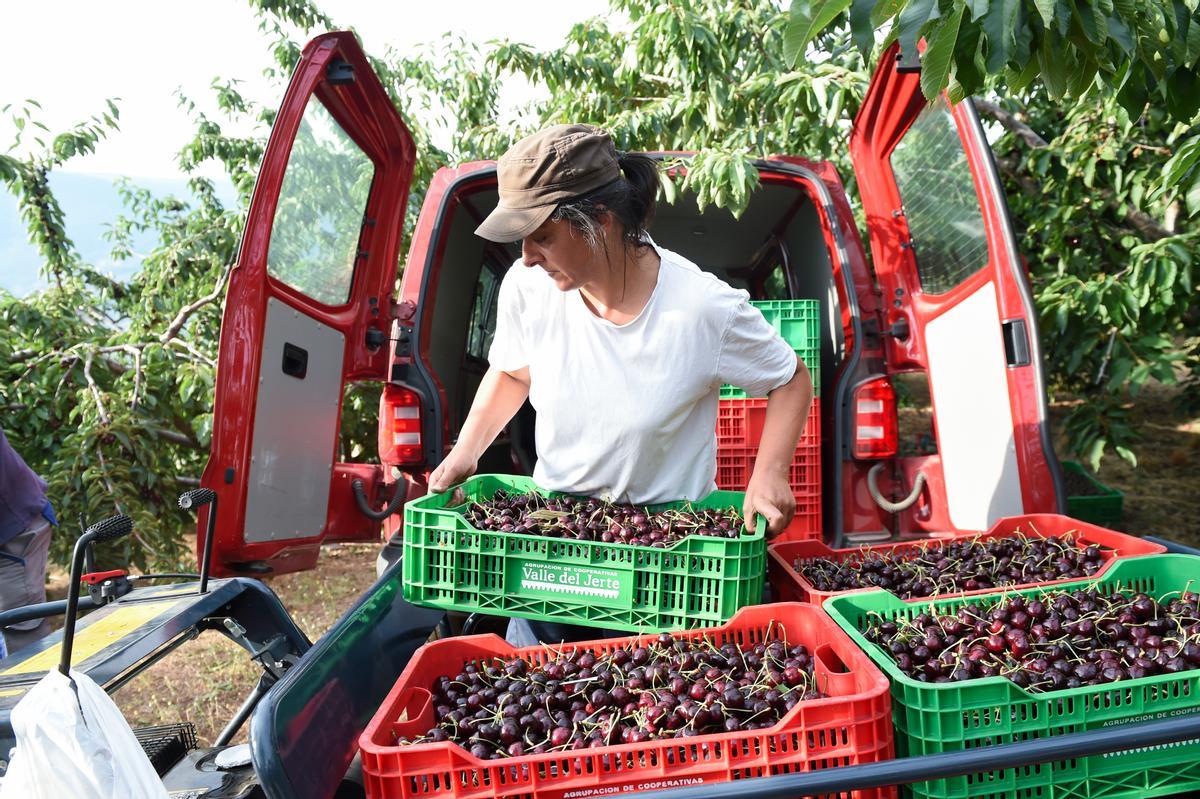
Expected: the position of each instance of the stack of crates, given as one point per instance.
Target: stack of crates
(740, 421)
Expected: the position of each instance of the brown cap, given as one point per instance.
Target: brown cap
(541, 171)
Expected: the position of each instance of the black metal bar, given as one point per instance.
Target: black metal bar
(194, 500)
(43, 610)
(1174, 546)
(209, 532)
(947, 764)
(107, 530)
(243, 712)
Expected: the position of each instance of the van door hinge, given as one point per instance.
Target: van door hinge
(404, 312)
(404, 337)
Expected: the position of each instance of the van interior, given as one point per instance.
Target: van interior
(775, 250)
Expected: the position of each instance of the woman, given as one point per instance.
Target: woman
(620, 346)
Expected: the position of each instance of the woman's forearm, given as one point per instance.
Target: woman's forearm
(787, 412)
(498, 399)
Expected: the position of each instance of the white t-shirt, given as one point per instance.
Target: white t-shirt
(628, 412)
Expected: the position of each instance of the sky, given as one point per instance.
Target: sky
(71, 56)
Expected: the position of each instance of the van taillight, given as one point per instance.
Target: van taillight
(400, 426)
(875, 422)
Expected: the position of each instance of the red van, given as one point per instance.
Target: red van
(312, 308)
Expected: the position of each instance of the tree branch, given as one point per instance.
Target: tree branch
(175, 437)
(181, 318)
(1143, 223)
(1010, 123)
(87, 373)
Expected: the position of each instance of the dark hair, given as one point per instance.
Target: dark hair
(630, 198)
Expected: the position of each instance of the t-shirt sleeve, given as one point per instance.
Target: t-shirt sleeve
(754, 357)
(508, 351)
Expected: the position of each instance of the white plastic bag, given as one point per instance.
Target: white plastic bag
(74, 742)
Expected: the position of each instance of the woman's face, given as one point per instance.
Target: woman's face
(561, 250)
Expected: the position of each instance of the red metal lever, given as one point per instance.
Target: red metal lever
(95, 578)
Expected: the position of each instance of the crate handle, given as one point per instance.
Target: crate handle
(832, 675)
(414, 713)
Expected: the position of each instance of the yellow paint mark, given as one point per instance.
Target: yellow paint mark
(89, 640)
(14, 691)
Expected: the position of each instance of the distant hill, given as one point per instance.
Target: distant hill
(91, 205)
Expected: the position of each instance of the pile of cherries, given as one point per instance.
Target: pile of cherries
(584, 519)
(969, 564)
(663, 688)
(1058, 640)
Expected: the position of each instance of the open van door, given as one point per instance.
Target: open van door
(956, 305)
(309, 310)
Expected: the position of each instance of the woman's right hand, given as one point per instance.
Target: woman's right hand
(457, 467)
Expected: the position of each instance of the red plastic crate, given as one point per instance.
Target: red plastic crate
(739, 429)
(740, 423)
(791, 586)
(734, 467)
(850, 726)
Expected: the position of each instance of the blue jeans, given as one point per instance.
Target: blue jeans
(23, 581)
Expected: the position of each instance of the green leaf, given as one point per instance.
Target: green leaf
(1192, 197)
(914, 16)
(1193, 43)
(935, 68)
(1081, 77)
(1183, 94)
(1046, 9)
(1133, 94)
(885, 10)
(1096, 452)
(1127, 455)
(793, 33)
(1053, 69)
(861, 28)
(967, 77)
(999, 26)
(797, 36)
(978, 8)
(1119, 32)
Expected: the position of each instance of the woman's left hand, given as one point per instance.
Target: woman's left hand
(769, 494)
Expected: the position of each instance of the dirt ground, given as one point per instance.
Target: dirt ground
(1162, 495)
(204, 681)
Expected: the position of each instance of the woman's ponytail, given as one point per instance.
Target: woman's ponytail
(630, 199)
(641, 172)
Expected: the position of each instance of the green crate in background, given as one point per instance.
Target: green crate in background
(945, 717)
(1104, 507)
(699, 581)
(799, 322)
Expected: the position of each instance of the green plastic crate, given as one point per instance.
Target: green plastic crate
(700, 581)
(1103, 508)
(944, 717)
(799, 322)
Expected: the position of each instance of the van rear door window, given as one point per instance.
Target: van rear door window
(940, 203)
(314, 240)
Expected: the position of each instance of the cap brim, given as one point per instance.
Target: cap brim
(512, 224)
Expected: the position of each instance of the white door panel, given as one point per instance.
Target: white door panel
(969, 384)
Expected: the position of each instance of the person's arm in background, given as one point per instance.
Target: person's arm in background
(769, 491)
(498, 399)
